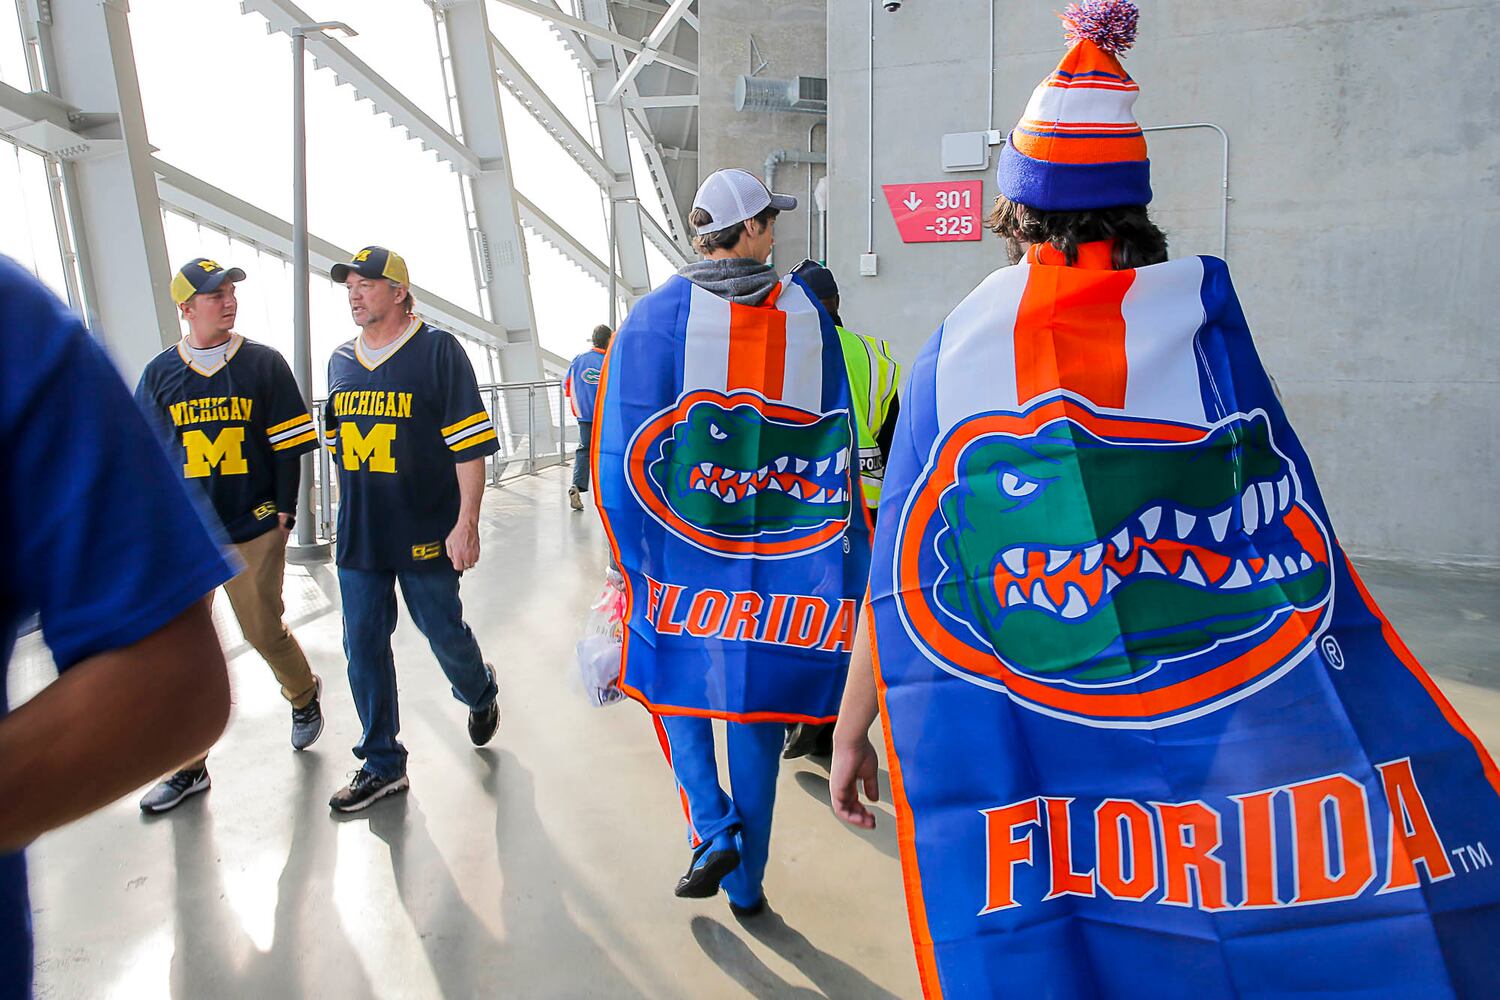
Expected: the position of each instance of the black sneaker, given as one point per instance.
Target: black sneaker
(307, 721)
(711, 862)
(575, 499)
(804, 738)
(755, 909)
(169, 792)
(483, 722)
(366, 789)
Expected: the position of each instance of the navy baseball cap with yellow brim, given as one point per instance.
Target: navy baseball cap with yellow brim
(372, 262)
(200, 276)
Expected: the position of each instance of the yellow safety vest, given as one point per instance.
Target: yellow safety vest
(873, 378)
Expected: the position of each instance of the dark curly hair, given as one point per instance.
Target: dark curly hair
(1137, 240)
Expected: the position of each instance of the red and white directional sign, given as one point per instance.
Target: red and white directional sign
(945, 212)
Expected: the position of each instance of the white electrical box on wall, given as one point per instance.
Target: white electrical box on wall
(867, 265)
(966, 151)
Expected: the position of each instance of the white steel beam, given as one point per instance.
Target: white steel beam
(664, 101)
(663, 241)
(535, 100)
(90, 65)
(507, 284)
(622, 204)
(677, 225)
(543, 225)
(349, 69)
(649, 52)
(593, 29)
(187, 195)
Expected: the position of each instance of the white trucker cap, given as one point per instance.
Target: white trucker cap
(734, 195)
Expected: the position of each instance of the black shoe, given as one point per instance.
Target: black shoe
(755, 909)
(366, 789)
(483, 722)
(804, 738)
(711, 862)
(307, 721)
(170, 792)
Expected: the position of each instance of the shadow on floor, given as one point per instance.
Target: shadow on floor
(833, 977)
(882, 838)
(214, 957)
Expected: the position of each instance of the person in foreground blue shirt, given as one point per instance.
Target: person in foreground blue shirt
(104, 546)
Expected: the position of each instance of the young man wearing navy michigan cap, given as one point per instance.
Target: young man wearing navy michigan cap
(236, 426)
(409, 434)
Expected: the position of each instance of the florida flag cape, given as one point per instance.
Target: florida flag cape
(1149, 735)
(722, 456)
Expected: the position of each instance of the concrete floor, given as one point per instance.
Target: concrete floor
(540, 866)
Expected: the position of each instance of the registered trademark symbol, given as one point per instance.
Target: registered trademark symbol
(1332, 653)
(846, 545)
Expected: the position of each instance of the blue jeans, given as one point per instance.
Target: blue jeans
(581, 456)
(370, 618)
(754, 759)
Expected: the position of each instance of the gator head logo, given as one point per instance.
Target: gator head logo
(743, 476)
(1116, 572)
(591, 375)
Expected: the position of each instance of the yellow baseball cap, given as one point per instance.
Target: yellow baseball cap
(372, 262)
(201, 275)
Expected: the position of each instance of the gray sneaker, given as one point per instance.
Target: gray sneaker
(575, 500)
(307, 721)
(169, 793)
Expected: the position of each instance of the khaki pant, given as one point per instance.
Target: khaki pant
(255, 596)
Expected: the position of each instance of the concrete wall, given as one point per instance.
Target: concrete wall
(792, 37)
(1363, 235)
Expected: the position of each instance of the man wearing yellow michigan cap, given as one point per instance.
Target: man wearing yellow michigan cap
(236, 425)
(409, 435)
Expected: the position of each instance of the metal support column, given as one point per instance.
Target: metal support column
(624, 211)
(477, 85)
(90, 64)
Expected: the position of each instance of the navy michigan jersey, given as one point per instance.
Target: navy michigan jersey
(233, 430)
(397, 425)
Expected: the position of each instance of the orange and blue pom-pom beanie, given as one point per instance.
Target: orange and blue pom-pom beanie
(1078, 146)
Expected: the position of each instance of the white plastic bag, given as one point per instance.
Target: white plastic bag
(603, 640)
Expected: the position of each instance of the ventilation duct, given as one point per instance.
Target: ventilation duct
(801, 94)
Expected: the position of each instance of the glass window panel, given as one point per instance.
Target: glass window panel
(367, 182)
(553, 180)
(572, 305)
(546, 59)
(12, 49)
(28, 232)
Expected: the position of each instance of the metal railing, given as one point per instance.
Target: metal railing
(533, 424)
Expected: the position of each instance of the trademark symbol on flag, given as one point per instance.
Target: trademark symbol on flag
(1332, 653)
(1473, 856)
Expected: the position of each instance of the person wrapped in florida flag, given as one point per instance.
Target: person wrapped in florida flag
(725, 485)
(1141, 711)
(726, 465)
(1148, 733)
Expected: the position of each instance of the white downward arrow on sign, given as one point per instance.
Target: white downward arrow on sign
(912, 202)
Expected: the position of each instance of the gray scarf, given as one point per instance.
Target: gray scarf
(738, 279)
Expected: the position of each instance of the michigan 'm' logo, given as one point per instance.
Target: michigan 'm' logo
(1109, 570)
(742, 476)
(372, 450)
(225, 451)
(431, 550)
